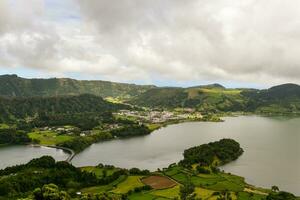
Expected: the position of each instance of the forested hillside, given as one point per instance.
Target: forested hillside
(12, 85)
(32, 107)
(279, 99)
(208, 98)
(214, 98)
(205, 98)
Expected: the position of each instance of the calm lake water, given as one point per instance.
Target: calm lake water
(13, 155)
(271, 157)
(272, 149)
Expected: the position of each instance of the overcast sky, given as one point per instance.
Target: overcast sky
(246, 43)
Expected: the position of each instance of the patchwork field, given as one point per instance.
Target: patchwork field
(159, 182)
(168, 185)
(129, 184)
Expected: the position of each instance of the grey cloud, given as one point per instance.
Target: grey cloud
(210, 40)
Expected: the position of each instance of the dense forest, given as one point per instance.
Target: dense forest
(13, 136)
(12, 85)
(129, 130)
(12, 109)
(281, 99)
(223, 151)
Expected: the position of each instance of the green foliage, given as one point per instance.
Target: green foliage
(225, 150)
(44, 110)
(48, 137)
(280, 99)
(206, 98)
(12, 85)
(50, 192)
(187, 191)
(12, 136)
(45, 179)
(281, 196)
(129, 184)
(80, 143)
(38, 172)
(131, 130)
(161, 97)
(202, 170)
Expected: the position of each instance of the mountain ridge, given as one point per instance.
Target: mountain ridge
(284, 98)
(13, 85)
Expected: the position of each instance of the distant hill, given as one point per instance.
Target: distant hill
(213, 98)
(161, 97)
(210, 86)
(206, 98)
(30, 107)
(282, 99)
(12, 85)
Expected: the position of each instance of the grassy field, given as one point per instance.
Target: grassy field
(154, 127)
(141, 196)
(49, 137)
(129, 184)
(203, 193)
(212, 186)
(104, 188)
(167, 193)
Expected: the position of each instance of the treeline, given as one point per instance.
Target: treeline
(38, 172)
(225, 150)
(131, 130)
(13, 136)
(55, 108)
(31, 178)
(84, 121)
(80, 143)
(279, 99)
(128, 130)
(20, 180)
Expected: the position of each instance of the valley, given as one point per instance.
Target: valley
(147, 127)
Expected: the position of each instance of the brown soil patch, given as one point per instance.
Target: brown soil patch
(159, 182)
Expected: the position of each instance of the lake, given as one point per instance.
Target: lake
(20, 154)
(271, 157)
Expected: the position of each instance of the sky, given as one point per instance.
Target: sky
(248, 43)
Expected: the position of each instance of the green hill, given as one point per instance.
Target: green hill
(202, 97)
(213, 98)
(12, 85)
(12, 109)
(279, 99)
(207, 98)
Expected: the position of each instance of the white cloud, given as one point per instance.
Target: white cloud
(199, 40)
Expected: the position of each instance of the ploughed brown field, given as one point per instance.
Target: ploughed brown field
(159, 182)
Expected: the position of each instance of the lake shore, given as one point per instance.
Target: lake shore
(71, 153)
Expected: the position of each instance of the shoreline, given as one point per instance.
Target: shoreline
(71, 152)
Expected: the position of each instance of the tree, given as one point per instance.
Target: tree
(275, 188)
(187, 191)
(280, 196)
(50, 192)
(225, 195)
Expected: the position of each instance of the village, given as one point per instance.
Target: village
(160, 116)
